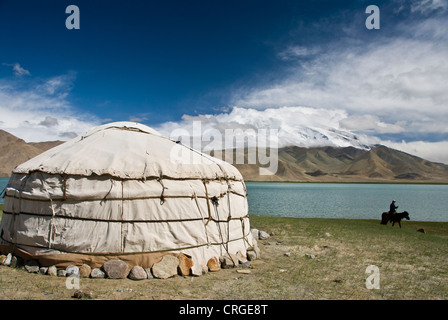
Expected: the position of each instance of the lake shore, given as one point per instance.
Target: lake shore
(347, 200)
(304, 259)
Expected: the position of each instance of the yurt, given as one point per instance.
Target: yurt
(124, 191)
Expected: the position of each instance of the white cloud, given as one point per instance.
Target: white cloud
(294, 52)
(433, 151)
(387, 80)
(428, 6)
(402, 78)
(352, 92)
(19, 71)
(395, 86)
(49, 122)
(137, 119)
(300, 126)
(40, 110)
(370, 123)
(53, 85)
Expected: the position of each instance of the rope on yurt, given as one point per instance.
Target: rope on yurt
(14, 227)
(225, 245)
(208, 204)
(52, 226)
(108, 192)
(229, 191)
(162, 198)
(243, 227)
(202, 216)
(229, 217)
(73, 199)
(242, 218)
(62, 216)
(64, 192)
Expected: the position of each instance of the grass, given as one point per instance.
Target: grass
(412, 265)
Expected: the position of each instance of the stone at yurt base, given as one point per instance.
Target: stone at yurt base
(169, 265)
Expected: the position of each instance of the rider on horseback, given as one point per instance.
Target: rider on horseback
(393, 208)
(393, 216)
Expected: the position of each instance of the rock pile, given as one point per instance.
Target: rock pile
(169, 266)
(259, 234)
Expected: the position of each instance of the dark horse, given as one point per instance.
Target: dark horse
(386, 217)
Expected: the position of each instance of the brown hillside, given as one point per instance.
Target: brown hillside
(14, 151)
(329, 164)
(295, 164)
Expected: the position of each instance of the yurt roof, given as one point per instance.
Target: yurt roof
(128, 150)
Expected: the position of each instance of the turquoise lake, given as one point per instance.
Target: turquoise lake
(342, 200)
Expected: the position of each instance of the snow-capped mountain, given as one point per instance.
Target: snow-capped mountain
(286, 126)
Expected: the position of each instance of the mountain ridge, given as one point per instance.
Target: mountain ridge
(348, 164)
(295, 164)
(14, 151)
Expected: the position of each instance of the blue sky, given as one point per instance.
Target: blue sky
(145, 58)
(166, 63)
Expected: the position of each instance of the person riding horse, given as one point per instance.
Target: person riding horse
(392, 208)
(393, 216)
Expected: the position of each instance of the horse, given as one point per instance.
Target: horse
(386, 217)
